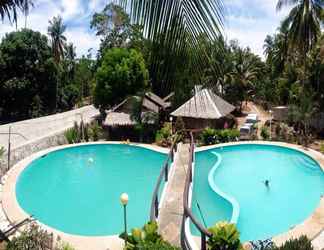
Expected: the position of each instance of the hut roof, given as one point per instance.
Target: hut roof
(204, 105)
(157, 100)
(118, 119)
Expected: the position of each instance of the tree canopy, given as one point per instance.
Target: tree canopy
(121, 73)
(28, 82)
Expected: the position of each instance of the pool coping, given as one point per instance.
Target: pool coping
(311, 226)
(234, 203)
(14, 213)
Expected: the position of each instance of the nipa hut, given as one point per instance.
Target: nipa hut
(204, 109)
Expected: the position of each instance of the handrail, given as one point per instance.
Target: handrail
(187, 209)
(154, 213)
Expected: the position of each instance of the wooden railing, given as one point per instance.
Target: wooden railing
(164, 175)
(187, 207)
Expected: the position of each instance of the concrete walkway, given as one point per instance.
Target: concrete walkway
(35, 129)
(171, 212)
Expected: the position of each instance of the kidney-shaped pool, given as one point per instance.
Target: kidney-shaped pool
(271, 188)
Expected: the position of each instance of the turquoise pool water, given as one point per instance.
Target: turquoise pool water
(76, 190)
(296, 185)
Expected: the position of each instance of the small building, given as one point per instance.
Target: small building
(280, 113)
(120, 123)
(204, 109)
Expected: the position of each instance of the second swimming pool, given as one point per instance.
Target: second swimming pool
(296, 183)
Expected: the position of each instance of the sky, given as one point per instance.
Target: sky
(248, 21)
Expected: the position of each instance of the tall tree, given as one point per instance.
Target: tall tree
(9, 8)
(304, 22)
(174, 29)
(56, 32)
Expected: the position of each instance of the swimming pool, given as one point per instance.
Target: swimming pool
(229, 184)
(76, 190)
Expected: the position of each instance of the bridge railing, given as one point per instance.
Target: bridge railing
(188, 215)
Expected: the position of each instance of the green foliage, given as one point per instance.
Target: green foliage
(31, 238)
(322, 147)
(146, 238)
(163, 136)
(179, 128)
(83, 132)
(211, 136)
(176, 58)
(302, 243)
(28, 74)
(122, 72)
(96, 131)
(72, 135)
(265, 133)
(225, 236)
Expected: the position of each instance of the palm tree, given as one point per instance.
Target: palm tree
(304, 22)
(174, 29)
(55, 31)
(10, 8)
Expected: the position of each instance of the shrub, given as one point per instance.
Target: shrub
(265, 133)
(72, 135)
(146, 238)
(321, 148)
(33, 237)
(225, 236)
(83, 132)
(95, 131)
(163, 136)
(179, 128)
(302, 243)
(211, 136)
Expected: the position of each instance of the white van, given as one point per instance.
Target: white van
(252, 118)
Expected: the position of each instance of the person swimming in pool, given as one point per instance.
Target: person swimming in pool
(267, 183)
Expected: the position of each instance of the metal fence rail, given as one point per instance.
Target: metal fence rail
(164, 175)
(187, 208)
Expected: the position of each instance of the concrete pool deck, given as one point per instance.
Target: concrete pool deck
(14, 213)
(313, 226)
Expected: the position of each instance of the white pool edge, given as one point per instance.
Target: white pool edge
(14, 213)
(311, 226)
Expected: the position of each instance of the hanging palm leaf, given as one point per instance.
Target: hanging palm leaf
(10, 8)
(174, 29)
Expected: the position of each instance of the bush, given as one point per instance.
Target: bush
(146, 238)
(211, 136)
(302, 243)
(71, 135)
(265, 133)
(163, 136)
(122, 73)
(95, 131)
(321, 148)
(179, 128)
(83, 132)
(33, 237)
(225, 236)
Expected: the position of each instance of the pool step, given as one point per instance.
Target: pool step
(171, 211)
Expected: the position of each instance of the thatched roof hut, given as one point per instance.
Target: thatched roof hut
(204, 109)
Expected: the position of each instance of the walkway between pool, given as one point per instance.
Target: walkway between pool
(171, 211)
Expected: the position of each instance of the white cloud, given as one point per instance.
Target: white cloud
(249, 21)
(82, 40)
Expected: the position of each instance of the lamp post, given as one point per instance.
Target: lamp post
(124, 201)
(270, 111)
(171, 119)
